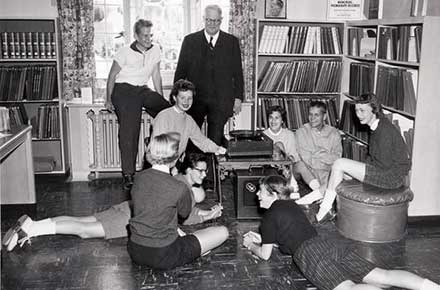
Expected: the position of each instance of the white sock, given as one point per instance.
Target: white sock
(314, 184)
(429, 285)
(329, 198)
(310, 198)
(322, 212)
(41, 228)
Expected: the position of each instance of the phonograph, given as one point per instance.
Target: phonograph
(249, 143)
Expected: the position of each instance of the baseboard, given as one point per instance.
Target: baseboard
(428, 220)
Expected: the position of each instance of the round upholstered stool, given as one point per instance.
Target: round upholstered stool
(370, 214)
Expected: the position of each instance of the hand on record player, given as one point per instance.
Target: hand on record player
(220, 151)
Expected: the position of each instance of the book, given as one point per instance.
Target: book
(42, 44)
(5, 45)
(36, 44)
(48, 45)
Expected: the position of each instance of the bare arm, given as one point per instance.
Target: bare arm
(157, 79)
(251, 242)
(114, 70)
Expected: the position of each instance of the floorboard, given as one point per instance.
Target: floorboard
(67, 262)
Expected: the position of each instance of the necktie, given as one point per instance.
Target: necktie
(211, 46)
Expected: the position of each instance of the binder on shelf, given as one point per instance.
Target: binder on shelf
(396, 88)
(36, 44)
(42, 44)
(296, 109)
(29, 46)
(361, 78)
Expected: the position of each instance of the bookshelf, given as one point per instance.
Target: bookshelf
(402, 71)
(297, 61)
(30, 86)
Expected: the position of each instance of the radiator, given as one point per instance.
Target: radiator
(106, 154)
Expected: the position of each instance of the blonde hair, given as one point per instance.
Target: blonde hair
(164, 148)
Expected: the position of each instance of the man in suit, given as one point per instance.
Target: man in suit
(211, 59)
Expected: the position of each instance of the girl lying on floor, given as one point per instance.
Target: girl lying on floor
(112, 223)
(325, 263)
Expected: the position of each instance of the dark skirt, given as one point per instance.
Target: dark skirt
(180, 252)
(387, 179)
(326, 263)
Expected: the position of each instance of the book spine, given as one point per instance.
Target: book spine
(12, 45)
(17, 45)
(29, 46)
(36, 45)
(54, 46)
(49, 45)
(23, 46)
(5, 46)
(42, 45)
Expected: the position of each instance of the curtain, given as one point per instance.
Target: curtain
(77, 35)
(242, 24)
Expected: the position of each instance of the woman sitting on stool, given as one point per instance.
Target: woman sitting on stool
(387, 163)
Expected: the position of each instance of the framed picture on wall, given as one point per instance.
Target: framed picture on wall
(275, 9)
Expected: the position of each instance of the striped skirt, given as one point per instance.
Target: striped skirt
(326, 263)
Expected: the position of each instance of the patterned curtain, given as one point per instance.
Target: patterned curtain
(77, 34)
(242, 24)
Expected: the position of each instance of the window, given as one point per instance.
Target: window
(172, 20)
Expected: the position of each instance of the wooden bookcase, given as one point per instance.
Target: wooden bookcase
(412, 83)
(31, 86)
(297, 61)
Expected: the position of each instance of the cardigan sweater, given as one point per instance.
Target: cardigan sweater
(387, 149)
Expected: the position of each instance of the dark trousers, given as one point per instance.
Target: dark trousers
(128, 101)
(216, 119)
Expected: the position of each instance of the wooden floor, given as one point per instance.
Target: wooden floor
(67, 262)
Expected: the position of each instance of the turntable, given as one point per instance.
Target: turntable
(248, 143)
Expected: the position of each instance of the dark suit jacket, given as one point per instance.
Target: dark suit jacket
(228, 71)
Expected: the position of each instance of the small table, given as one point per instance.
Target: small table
(17, 183)
(225, 163)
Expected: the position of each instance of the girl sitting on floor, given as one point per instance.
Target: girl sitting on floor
(325, 263)
(158, 200)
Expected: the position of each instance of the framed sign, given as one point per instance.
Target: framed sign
(344, 9)
(275, 9)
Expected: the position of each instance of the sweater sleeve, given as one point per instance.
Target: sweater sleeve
(159, 125)
(291, 146)
(201, 141)
(184, 203)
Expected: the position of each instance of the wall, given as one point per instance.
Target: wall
(28, 8)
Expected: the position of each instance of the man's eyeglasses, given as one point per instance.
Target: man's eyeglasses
(201, 170)
(213, 21)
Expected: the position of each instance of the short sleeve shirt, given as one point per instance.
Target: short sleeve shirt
(285, 224)
(136, 67)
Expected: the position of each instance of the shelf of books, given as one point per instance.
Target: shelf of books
(297, 62)
(397, 59)
(30, 86)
